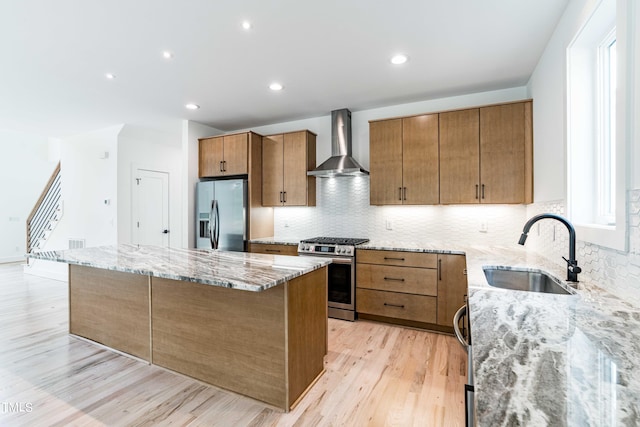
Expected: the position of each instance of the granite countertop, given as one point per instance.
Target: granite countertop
(546, 359)
(236, 270)
(274, 241)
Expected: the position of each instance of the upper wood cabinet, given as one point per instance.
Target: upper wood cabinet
(486, 155)
(476, 155)
(459, 156)
(223, 155)
(404, 161)
(506, 152)
(286, 158)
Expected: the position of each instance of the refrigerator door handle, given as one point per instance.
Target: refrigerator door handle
(215, 223)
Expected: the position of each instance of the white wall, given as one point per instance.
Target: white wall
(152, 149)
(25, 168)
(89, 176)
(191, 131)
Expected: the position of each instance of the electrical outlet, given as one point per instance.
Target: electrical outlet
(388, 224)
(484, 227)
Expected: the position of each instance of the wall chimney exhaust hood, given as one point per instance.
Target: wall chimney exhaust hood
(340, 163)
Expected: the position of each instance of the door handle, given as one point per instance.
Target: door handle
(393, 305)
(404, 193)
(165, 231)
(215, 232)
(399, 193)
(284, 196)
(483, 191)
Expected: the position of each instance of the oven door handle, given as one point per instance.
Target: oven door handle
(341, 260)
(462, 311)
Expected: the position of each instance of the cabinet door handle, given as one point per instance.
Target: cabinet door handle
(394, 305)
(483, 191)
(477, 196)
(284, 195)
(221, 170)
(404, 193)
(399, 193)
(440, 269)
(393, 259)
(281, 198)
(394, 279)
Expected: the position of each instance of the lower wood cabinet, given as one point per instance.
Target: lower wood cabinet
(414, 288)
(273, 249)
(397, 305)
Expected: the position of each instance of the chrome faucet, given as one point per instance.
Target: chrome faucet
(572, 263)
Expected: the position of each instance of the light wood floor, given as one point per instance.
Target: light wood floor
(376, 375)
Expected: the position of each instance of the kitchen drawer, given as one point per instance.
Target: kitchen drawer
(418, 308)
(399, 258)
(266, 248)
(409, 280)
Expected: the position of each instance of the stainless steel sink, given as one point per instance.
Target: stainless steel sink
(524, 280)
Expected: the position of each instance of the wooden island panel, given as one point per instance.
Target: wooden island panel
(307, 331)
(111, 308)
(267, 345)
(227, 337)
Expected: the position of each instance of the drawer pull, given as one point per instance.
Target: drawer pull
(393, 259)
(394, 305)
(394, 279)
(272, 250)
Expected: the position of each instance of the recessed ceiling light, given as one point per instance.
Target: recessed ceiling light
(167, 55)
(276, 86)
(192, 106)
(399, 59)
(110, 76)
(246, 25)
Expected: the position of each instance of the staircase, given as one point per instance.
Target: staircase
(46, 213)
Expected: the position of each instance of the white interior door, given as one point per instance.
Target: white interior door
(151, 208)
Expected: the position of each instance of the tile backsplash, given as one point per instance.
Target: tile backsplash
(343, 210)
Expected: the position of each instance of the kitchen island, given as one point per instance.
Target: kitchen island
(252, 324)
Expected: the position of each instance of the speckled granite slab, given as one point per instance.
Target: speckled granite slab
(274, 241)
(236, 270)
(551, 360)
(387, 245)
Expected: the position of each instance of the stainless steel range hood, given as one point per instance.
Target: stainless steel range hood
(340, 163)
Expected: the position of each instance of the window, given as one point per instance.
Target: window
(606, 136)
(595, 150)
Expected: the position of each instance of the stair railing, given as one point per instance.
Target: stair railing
(45, 213)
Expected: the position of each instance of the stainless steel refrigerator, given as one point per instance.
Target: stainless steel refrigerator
(221, 215)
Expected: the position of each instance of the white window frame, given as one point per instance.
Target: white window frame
(584, 133)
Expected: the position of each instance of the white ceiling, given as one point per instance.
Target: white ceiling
(329, 54)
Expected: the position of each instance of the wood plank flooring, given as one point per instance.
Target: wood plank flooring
(376, 375)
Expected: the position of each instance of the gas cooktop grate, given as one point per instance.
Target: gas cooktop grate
(336, 240)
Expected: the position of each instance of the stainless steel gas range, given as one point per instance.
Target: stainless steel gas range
(342, 271)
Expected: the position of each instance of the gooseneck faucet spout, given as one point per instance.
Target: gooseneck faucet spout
(572, 263)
